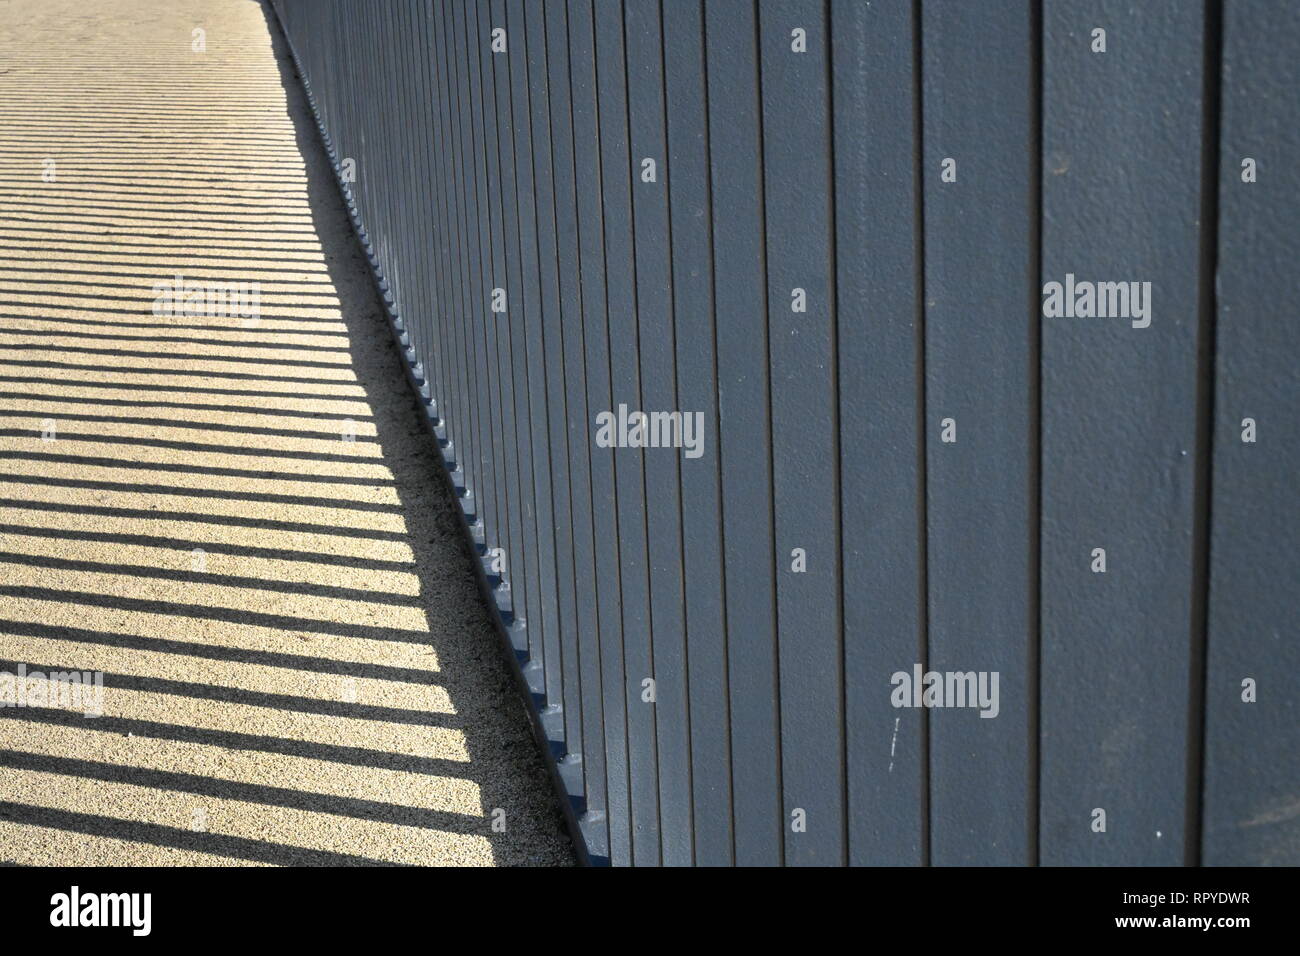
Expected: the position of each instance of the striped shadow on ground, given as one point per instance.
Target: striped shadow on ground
(235, 518)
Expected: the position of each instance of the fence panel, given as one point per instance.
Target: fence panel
(876, 133)
(1252, 730)
(981, 369)
(948, 359)
(1122, 130)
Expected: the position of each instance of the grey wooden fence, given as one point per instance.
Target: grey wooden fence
(825, 232)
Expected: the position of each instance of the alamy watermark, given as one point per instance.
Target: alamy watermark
(1102, 300)
(946, 689)
(637, 429)
(75, 908)
(182, 297)
(57, 690)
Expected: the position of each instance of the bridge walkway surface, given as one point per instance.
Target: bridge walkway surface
(228, 509)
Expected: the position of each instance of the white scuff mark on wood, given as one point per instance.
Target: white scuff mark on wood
(893, 744)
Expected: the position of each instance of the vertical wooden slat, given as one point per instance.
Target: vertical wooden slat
(689, 148)
(980, 312)
(740, 289)
(656, 339)
(617, 182)
(1121, 198)
(1251, 798)
(877, 269)
(801, 316)
(520, 570)
(488, 518)
(610, 753)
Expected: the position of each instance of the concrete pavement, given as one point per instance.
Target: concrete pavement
(236, 518)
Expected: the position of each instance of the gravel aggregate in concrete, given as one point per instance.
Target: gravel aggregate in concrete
(238, 520)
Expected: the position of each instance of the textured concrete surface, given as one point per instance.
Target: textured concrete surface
(298, 666)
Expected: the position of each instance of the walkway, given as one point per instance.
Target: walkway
(236, 518)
